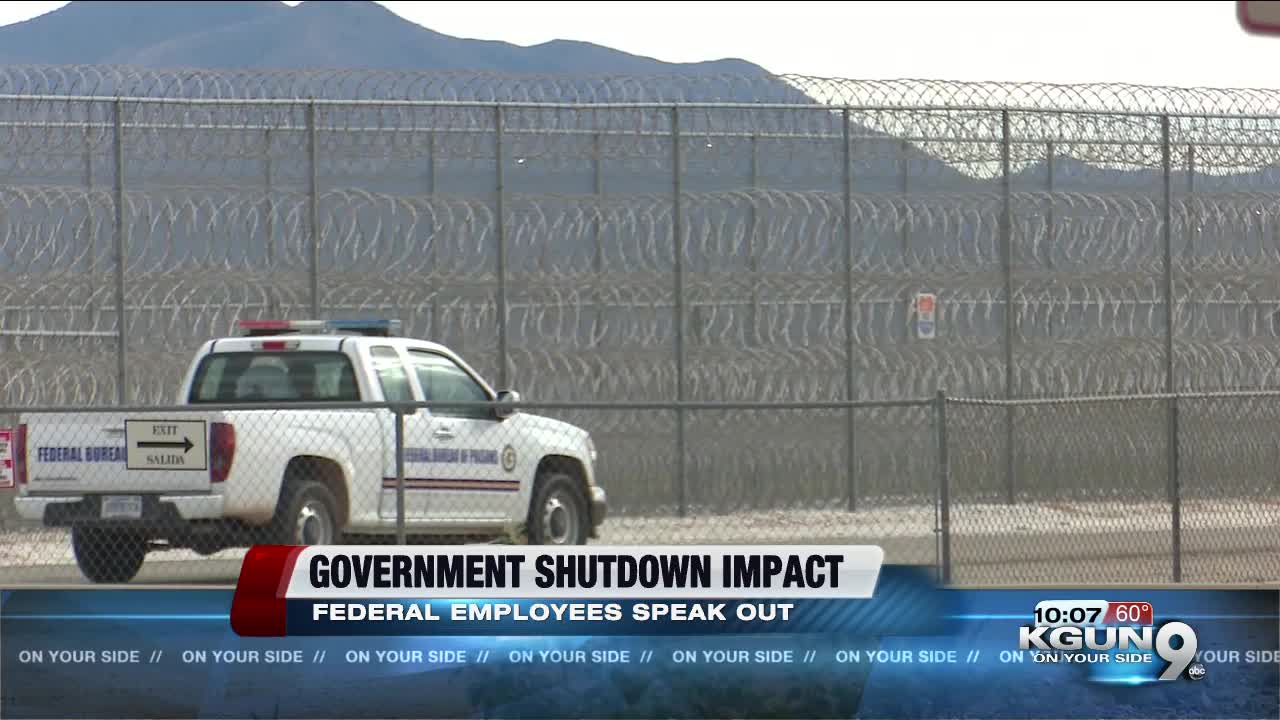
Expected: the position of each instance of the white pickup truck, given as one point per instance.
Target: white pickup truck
(213, 477)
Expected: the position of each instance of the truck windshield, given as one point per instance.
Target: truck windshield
(275, 377)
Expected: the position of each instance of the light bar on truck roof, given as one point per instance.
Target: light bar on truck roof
(258, 328)
(372, 328)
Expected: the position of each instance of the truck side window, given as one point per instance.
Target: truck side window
(443, 381)
(391, 375)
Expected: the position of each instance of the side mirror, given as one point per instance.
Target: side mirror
(506, 396)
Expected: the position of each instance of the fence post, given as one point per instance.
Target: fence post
(904, 190)
(597, 228)
(1051, 152)
(92, 236)
(122, 393)
(753, 261)
(399, 412)
(268, 168)
(677, 239)
(500, 183)
(944, 488)
(436, 327)
(1193, 226)
(313, 210)
(1010, 321)
(1175, 491)
(850, 389)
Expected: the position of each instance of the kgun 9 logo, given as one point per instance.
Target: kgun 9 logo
(1076, 644)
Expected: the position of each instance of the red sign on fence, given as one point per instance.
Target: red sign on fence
(926, 316)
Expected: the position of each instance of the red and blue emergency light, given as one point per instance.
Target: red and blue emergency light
(372, 328)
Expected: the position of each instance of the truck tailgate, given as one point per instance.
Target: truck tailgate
(79, 453)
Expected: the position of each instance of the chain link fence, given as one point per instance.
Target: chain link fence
(1127, 489)
(244, 473)
(684, 238)
(1113, 501)
(702, 239)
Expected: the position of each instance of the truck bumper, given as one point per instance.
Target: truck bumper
(66, 510)
(599, 506)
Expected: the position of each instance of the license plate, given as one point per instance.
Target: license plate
(121, 507)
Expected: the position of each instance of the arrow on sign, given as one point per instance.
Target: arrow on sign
(186, 445)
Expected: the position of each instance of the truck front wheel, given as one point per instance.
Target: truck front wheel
(108, 555)
(558, 513)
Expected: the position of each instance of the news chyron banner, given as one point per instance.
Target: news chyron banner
(631, 632)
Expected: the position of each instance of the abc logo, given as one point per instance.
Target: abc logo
(1196, 671)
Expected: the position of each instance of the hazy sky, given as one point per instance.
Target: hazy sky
(1187, 43)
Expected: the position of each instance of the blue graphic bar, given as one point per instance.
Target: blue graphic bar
(913, 652)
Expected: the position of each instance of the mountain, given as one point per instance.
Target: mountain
(270, 35)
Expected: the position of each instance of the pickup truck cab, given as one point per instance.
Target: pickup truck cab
(300, 475)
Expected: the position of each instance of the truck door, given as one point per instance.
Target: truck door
(475, 460)
(393, 378)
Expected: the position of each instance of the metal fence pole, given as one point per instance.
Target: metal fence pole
(1051, 153)
(431, 163)
(314, 209)
(400, 522)
(92, 307)
(268, 171)
(904, 190)
(752, 336)
(1175, 491)
(944, 488)
(597, 228)
(677, 238)
(500, 205)
(1193, 226)
(850, 389)
(119, 249)
(1010, 320)
(1167, 239)
(436, 327)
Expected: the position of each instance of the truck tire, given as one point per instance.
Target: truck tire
(107, 555)
(558, 513)
(307, 515)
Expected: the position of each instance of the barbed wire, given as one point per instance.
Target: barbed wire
(128, 81)
(591, 295)
(217, 226)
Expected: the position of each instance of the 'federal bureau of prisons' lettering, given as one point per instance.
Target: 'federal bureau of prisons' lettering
(91, 453)
(461, 456)
(104, 454)
(58, 454)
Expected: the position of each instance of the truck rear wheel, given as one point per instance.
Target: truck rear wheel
(307, 515)
(558, 513)
(108, 555)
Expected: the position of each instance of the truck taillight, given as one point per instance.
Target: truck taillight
(222, 451)
(20, 455)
